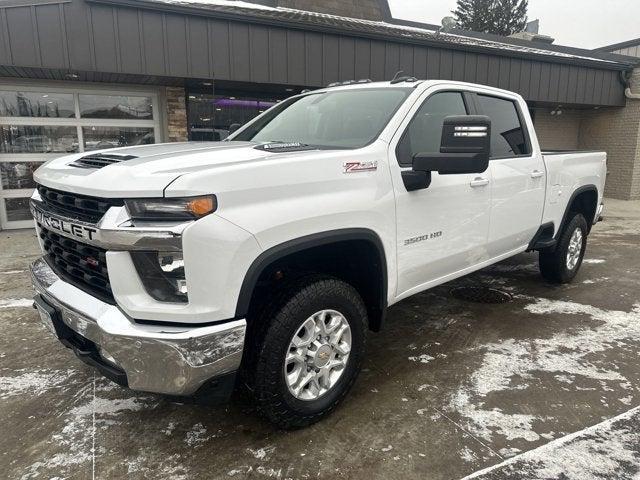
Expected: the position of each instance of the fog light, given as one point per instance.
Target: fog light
(162, 274)
(172, 264)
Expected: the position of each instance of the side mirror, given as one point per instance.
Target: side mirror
(233, 127)
(465, 147)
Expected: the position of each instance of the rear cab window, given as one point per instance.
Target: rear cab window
(509, 136)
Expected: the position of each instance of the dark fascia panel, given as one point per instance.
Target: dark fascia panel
(619, 46)
(355, 27)
(82, 76)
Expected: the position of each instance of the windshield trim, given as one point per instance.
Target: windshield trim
(289, 101)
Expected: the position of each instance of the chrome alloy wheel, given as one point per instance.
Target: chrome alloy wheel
(575, 249)
(317, 355)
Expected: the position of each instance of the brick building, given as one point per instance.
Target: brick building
(77, 75)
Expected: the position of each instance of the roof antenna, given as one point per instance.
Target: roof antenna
(397, 75)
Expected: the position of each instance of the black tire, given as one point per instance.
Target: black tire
(285, 316)
(553, 264)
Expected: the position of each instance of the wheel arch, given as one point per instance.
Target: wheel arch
(375, 297)
(583, 200)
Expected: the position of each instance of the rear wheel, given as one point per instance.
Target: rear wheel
(311, 352)
(562, 264)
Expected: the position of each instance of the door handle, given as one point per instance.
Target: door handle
(537, 174)
(479, 182)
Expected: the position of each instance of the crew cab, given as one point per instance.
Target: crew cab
(266, 259)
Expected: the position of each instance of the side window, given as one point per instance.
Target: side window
(508, 137)
(424, 133)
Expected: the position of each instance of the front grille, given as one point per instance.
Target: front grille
(99, 160)
(82, 265)
(79, 207)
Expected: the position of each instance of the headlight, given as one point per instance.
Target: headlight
(159, 209)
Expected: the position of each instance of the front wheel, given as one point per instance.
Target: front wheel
(562, 264)
(311, 353)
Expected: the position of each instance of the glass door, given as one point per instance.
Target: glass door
(38, 124)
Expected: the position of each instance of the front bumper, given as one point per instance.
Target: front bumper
(161, 359)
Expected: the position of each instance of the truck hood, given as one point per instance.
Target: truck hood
(145, 171)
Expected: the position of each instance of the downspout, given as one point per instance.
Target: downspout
(626, 80)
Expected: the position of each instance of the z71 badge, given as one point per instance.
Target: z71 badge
(355, 167)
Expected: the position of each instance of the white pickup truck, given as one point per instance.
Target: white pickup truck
(172, 268)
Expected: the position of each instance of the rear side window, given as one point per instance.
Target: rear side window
(508, 135)
(424, 133)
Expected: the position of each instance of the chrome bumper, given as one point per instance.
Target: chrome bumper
(599, 213)
(161, 359)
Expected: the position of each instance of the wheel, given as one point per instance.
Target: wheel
(562, 264)
(310, 353)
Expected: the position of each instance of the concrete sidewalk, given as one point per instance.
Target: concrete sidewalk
(450, 388)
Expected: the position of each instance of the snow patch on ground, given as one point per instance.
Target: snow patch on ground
(16, 303)
(196, 436)
(605, 450)
(170, 428)
(424, 358)
(261, 453)
(34, 382)
(596, 280)
(512, 364)
(593, 261)
(77, 439)
(467, 455)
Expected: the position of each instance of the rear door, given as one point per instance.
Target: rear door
(442, 229)
(518, 175)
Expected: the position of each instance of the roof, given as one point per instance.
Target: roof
(619, 46)
(400, 30)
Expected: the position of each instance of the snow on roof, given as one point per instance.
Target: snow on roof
(290, 14)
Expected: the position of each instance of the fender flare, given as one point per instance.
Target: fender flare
(282, 250)
(574, 195)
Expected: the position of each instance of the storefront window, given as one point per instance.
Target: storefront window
(36, 126)
(96, 138)
(17, 209)
(116, 106)
(210, 116)
(17, 175)
(33, 104)
(37, 139)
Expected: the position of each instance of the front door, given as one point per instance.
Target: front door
(441, 230)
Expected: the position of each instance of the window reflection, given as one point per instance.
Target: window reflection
(36, 139)
(35, 104)
(116, 106)
(210, 116)
(17, 209)
(17, 175)
(96, 138)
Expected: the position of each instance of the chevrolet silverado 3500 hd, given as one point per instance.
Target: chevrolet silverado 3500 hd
(173, 267)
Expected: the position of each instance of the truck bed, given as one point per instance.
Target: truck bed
(568, 173)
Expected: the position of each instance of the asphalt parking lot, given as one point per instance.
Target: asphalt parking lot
(543, 386)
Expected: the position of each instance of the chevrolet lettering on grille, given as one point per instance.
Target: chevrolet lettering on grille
(63, 226)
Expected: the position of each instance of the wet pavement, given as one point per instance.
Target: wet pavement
(542, 386)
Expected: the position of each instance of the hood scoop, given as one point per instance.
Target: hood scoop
(100, 160)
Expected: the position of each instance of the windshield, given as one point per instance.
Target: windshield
(339, 119)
